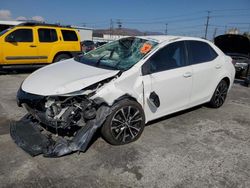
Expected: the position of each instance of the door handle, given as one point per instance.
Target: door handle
(187, 74)
(218, 66)
(32, 46)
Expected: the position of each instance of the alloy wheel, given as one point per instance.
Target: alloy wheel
(220, 94)
(126, 124)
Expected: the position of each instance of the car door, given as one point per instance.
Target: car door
(167, 81)
(48, 39)
(205, 64)
(20, 47)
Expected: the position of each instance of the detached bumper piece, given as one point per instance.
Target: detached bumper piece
(27, 135)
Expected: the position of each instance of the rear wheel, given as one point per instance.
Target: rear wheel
(219, 95)
(61, 57)
(125, 124)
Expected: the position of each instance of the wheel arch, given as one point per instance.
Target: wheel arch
(227, 80)
(122, 102)
(60, 53)
(125, 96)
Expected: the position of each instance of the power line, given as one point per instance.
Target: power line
(168, 21)
(161, 18)
(186, 27)
(228, 10)
(240, 23)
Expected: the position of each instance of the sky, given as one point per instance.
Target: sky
(183, 17)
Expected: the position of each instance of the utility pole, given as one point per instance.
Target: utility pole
(119, 24)
(225, 29)
(166, 30)
(208, 17)
(215, 31)
(111, 28)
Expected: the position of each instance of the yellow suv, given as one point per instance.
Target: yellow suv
(35, 43)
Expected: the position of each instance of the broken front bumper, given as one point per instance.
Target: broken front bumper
(29, 136)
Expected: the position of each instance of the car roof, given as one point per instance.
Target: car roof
(39, 24)
(10, 22)
(168, 38)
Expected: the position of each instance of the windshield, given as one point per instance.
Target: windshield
(119, 55)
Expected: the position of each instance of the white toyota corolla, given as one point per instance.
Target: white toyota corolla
(118, 88)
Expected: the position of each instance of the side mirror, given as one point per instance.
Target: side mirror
(146, 68)
(10, 38)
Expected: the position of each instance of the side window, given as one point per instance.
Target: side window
(69, 35)
(170, 57)
(47, 35)
(200, 52)
(20, 35)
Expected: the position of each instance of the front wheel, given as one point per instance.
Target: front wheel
(125, 124)
(219, 95)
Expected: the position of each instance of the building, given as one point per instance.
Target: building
(84, 32)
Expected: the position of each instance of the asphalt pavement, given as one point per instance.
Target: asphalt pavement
(200, 147)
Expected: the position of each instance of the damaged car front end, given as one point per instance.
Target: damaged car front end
(57, 125)
(63, 100)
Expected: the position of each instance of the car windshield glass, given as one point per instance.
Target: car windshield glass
(119, 55)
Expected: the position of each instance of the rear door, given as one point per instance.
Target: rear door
(206, 65)
(48, 39)
(20, 47)
(168, 82)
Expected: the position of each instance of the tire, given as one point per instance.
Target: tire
(125, 124)
(61, 57)
(219, 95)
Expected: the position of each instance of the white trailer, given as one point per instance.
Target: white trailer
(84, 32)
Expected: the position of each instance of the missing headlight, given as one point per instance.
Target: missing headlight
(64, 112)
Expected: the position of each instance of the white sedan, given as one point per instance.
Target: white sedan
(118, 88)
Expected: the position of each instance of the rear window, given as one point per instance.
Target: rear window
(47, 35)
(200, 52)
(69, 35)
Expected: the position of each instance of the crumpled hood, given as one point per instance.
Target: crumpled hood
(64, 77)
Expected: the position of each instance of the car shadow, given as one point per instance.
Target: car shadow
(175, 114)
(18, 71)
(98, 134)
